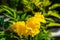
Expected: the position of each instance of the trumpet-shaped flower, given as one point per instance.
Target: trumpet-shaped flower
(30, 27)
(40, 17)
(19, 27)
(33, 23)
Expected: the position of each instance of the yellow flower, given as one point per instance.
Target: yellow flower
(34, 32)
(33, 26)
(19, 27)
(33, 23)
(30, 27)
(40, 17)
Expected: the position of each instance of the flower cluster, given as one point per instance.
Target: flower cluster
(30, 27)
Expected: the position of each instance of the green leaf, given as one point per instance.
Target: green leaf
(1, 10)
(19, 12)
(36, 37)
(46, 2)
(11, 13)
(2, 21)
(54, 6)
(7, 10)
(1, 33)
(2, 39)
(8, 16)
(18, 18)
(29, 37)
(23, 16)
(28, 16)
(50, 19)
(53, 24)
(54, 13)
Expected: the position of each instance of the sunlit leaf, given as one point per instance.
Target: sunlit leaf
(54, 6)
(53, 24)
(50, 19)
(54, 13)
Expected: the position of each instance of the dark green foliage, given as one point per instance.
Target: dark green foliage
(21, 10)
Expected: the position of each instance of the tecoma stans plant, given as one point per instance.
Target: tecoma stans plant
(28, 19)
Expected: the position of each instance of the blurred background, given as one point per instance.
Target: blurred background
(15, 4)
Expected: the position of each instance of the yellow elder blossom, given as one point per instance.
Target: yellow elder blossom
(19, 27)
(30, 27)
(22, 29)
(35, 32)
(40, 17)
(34, 25)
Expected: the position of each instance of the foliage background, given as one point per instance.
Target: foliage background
(11, 7)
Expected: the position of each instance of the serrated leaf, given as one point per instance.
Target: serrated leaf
(53, 24)
(50, 19)
(8, 16)
(23, 16)
(10, 11)
(54, 13)
(6, 8)
(11, 21)
(54, 6)
(17, 18)
(28, 16)
(14, 15)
